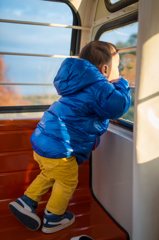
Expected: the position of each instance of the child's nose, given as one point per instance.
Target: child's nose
(123, 73)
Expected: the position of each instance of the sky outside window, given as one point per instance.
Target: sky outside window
(120, 35)
(36, 11)
(34, 39)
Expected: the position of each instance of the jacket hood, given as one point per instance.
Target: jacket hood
(76, 74)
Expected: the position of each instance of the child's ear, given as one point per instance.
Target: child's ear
(104, 70)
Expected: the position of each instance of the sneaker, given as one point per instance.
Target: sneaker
(53, 223)
(23, 209)
(82, 237)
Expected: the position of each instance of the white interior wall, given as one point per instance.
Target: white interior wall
(112, 174)
(146, 126)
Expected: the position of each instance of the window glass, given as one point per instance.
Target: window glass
(33, 39)
(124, 38)
(32, 69)
(36, 11)
(127, 69)
(18, 95)
(129, 115)
(127, 66)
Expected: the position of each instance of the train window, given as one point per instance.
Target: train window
(125, 39)
(116, 5)
(31, 50)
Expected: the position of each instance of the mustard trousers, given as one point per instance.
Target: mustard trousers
(61, 175)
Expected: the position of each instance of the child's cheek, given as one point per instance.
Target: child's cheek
(115, 73)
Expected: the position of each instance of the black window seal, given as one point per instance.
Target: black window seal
(110, 26)
(23, 109)
(74, 50)
(114, 7)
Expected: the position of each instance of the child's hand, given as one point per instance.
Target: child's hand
(116, 80)
(120, 83)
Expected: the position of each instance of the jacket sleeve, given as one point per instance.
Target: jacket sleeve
(113, 99)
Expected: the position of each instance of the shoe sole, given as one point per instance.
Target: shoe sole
(58, 228)
(82, 237)
(28, 219)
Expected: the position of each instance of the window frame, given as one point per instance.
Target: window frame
(74, 50)
(133, 18)
(114, 7)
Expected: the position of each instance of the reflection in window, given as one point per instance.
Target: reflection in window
(124, 38)
(127, 67)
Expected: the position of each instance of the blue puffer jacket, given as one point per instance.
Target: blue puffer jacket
(72, 124)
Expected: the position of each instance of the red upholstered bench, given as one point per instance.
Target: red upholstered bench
(18, 169)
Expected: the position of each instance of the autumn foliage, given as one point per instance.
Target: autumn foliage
(9, 94)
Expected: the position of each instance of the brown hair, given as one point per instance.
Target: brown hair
(98, 53)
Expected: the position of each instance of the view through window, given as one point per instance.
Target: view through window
(33, 39)
(122, 38)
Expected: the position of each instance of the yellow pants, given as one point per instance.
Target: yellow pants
(61, 175)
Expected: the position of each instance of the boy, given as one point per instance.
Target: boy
(70, 129)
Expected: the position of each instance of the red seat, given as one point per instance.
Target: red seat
(17, 171)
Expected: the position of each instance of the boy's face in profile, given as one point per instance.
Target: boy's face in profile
(128, 70)
(114, 70)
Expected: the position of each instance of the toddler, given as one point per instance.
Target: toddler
(70, 129)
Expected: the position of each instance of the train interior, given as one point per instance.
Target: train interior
(118, 191)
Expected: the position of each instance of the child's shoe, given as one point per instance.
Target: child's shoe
(23, 209)
(82, 237)
(53, 223)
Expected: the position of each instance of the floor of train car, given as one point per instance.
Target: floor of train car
(90, 220)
